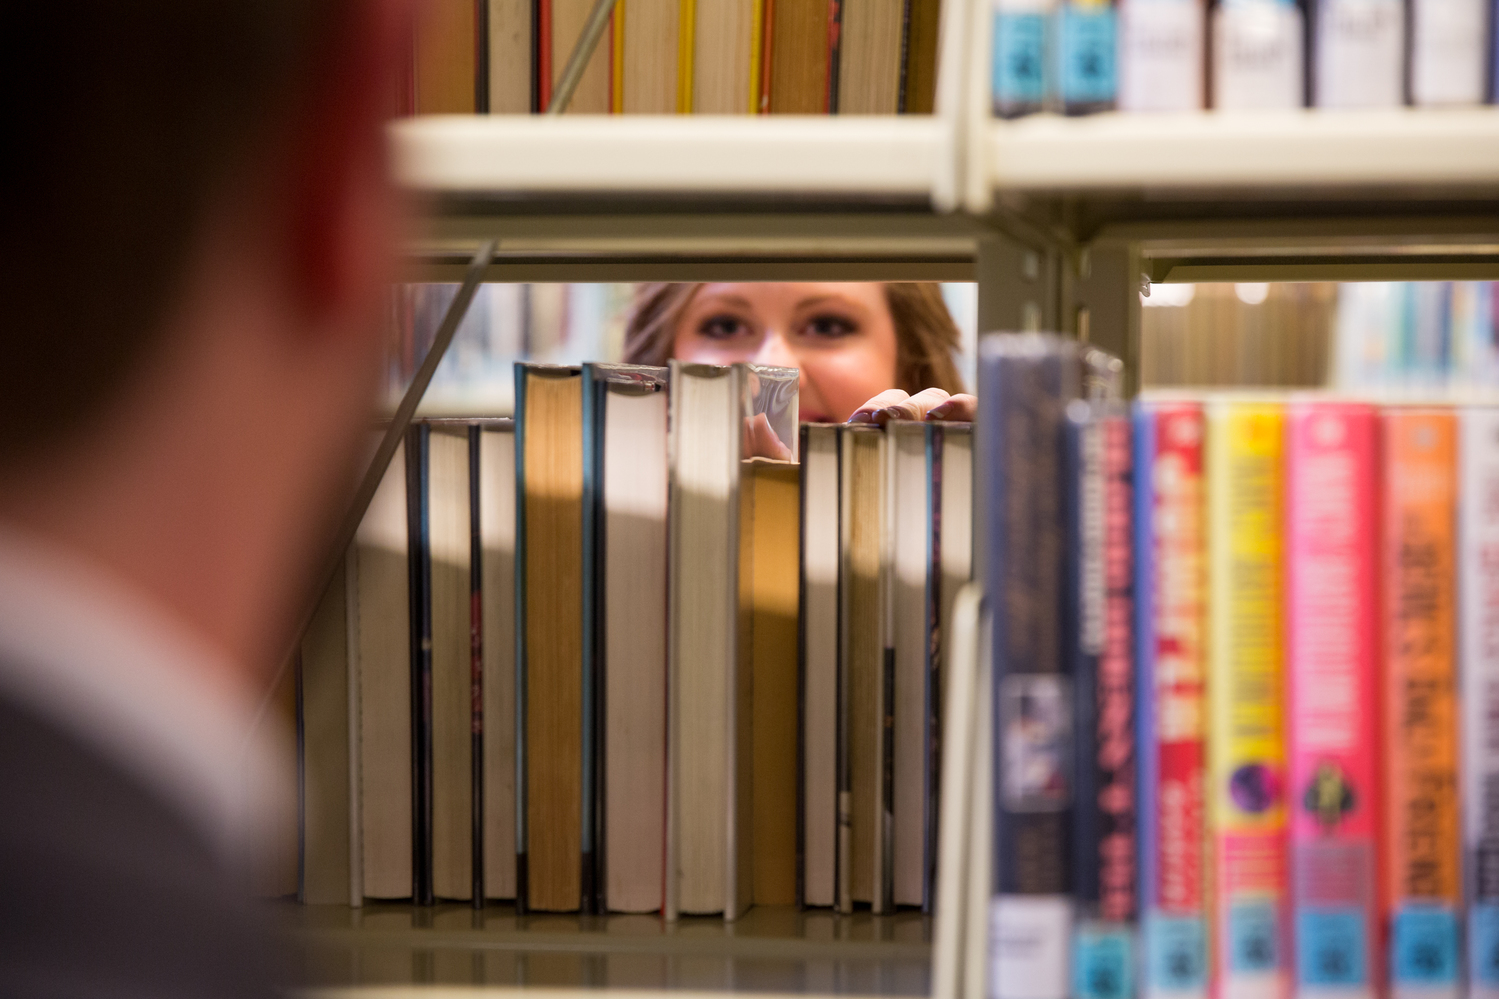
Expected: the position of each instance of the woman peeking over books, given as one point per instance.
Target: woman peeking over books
(852, 342)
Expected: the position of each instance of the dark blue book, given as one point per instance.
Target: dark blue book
(1025, 384)
(1100, 635)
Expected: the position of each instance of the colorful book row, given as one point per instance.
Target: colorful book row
(1295, 794)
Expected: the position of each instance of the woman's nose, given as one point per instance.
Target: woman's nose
(774, 350)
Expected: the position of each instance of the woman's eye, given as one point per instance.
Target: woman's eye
(722, 328)
(830, 327)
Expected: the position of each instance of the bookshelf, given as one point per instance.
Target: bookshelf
(1060, 221)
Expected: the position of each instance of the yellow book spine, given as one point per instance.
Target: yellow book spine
(1246, 745)
(686, 39)
(757, 53)
(617, 59)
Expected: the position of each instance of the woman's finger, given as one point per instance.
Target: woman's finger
(961, 408)
(911, 408)
(886, 399)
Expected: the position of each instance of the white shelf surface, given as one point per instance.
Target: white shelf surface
(848, 157)
(1265, 151)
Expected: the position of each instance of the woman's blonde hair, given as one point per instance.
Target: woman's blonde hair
(926, 338)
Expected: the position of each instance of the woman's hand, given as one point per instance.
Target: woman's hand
(929, 404)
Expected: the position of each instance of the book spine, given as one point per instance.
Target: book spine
(835, 52)
(1246, 749)
(1359, 53)
(1086, 62)
(1161, 55)
(1171, 593)
(1332, 674)
(1104, 825)
(1020, 53)
(476, 664)
(594, 401)
(522, 864)
(419, 565)
(1478, 592)
(1026, 383)
(1258, 54)
(1422, 884)
(1448, 52)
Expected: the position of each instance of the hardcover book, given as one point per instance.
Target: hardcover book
(1100, 611)
(1332, 679)
(1025, 383)
(624, 649)
(1170, 592)
(1246, 696)
(549, 625)
(1423, 839)
(818, 705)
(1478, 617)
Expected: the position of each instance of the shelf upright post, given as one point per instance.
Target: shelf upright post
(1017, 285)
(1104, 304)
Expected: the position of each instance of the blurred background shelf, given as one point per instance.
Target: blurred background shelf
(770, 949)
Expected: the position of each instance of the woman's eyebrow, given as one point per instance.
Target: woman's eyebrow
(818, 300)
(728, 298)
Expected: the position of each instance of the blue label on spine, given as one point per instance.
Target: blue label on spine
(1252, 937)
(1483, 943)
(1423, 946)
(1019, 57)
(1176, 953)
(1102, 965)
(1330, 947)
(1085, 61)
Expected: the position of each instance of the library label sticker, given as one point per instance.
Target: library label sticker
(1483, 944)
(1331, 947)
(1423, 948)
(1028, 946)
(1102, 965)
(1019, 56)
(1176, 954)
(1252, 937)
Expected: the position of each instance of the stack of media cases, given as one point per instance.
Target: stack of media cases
(627, 653)
(1246, 689)
(1083, 56)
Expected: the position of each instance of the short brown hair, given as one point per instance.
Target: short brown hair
(926, 338)
(121, 121)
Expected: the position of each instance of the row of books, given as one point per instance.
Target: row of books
(1419, 336)
(677, 56)
(626, 653)
(1082, 56)
(1246, 697)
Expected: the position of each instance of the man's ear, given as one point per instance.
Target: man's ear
(344, 212)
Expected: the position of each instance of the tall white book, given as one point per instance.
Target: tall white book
(1478, 638)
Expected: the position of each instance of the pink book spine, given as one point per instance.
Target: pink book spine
(1332, 671)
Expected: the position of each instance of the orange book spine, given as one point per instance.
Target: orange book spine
(1422, 884)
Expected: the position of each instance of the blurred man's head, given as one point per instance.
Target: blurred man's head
(194, 243)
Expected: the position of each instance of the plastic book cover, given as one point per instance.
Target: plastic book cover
(1359, 55)
(1170, 595)
(1478, 614)
(1332, 670)
(1449, 52)
(1258, 55)
(1100, 629)
(1026, 382)
(1246, 747)
(1086, 59)
(1422, 837)
(1021, 77)
(1161, 55)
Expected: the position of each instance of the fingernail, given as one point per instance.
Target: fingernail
(862, 416)
(939, 411)
(891, 413)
